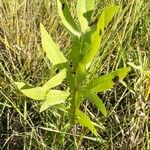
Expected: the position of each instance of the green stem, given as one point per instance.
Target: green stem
(74, 106)
(74, 93)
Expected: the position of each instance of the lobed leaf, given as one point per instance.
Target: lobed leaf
(36, 93)
(84, 6)
(20, 85)
(56, 80)
(52, 49)
(66, 18)
(106, 82)
(84, 120)
(95, 41)
(54, 97)
(86, 42)
(96, 37)
(96, 100)
(80, 47)
(75, 51)
(81, 74)
(109, 12)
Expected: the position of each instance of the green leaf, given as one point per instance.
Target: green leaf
(36, 93)
(20, 85)
(86, 42)
(75, 51)
(56, 80)
(84, 6)
(66, 18)
(89, 5)
(106, 82)
(81, 74)
(52, 49)
(84, 120)
(96, 37)
(95, 41)
(54, 97)
(80, 47)
(109, 12)
(96, 100)
(88, 16)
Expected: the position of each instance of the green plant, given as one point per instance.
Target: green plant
(85, 45)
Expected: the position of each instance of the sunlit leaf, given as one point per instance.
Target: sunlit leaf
(20, 85)
(110, 11)
(106, 82)
(105, 18)
(54, 97)
(89, 9)
(96, 100)
(56, 80)
(86, 42)
(80, 47)
(88, 16)
(81, 74)
(84, 120)
(75, 51)
(84, 6)
(52, 49)
(36, 93)
(95, 41)
(66, 18)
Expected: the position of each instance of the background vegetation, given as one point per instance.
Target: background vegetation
(126, 43)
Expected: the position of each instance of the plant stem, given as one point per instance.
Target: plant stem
(74, 93)
(74, 106)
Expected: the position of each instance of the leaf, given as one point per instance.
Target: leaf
(66, 18)
(110, 11)
(122, 72)
(75, 51)
(84, 6)
(89, 5)
(96, 37)
(70, 79)
(54, 97)
(84, 120)
(20, 85)
(96, 100)
(106, 82)
(52, 50)
(36, 93)
(80, 47)
(56, 80)
(88, 16)
(81, 74)
(95, 41)
(86, 42)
